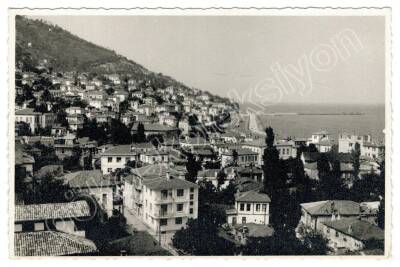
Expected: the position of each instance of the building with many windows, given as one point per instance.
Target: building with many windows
(162, 198)
(250, 207)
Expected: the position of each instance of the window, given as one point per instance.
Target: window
(242, 206)
(109, 159)
(337, 234)
(257, 207)
(234, 221)
(163, 222)
(180, 192)
(264, 207)
(178, 220)
(164, 194)
(179, 207)
(18, 227)
(104, 199)
(191, 203)
(39, 226)
(164, 210)
(109, 170)
(248, 207)
(191, 196)
(191, 190)
(191, 210)
(243, 220)
(118, 159)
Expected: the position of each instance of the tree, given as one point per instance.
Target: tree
(200, 236)
(316, 243)
(119, 133)
(330, 182)
(193, 166)
(381, 214)
(46, 96)
(235, 157)
(275, 181)
(23, 128)
(140, 136)
(221, 176)
(123, 106)
(355, 156)
(110, 91)
(48, 189)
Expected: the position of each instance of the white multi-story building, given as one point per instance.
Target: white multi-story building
(368, 148)
(250, 207)
(321, 140)
(162, 198)
(117, 157)
(35, 120)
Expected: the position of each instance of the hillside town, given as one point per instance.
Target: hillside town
(112, 165)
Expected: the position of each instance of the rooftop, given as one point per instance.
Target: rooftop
(253, 196)
(87, 179)
(356, 228)
(329, 207)
(51, 243)
(166, 184)
(27, 111)
(36, 212)
(155, 127)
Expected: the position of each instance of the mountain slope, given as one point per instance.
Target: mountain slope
(37, 40)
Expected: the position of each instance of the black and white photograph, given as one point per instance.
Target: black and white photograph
(242, 132)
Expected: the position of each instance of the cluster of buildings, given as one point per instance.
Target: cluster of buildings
(146, 181)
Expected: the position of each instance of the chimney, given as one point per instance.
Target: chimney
(350, 229)
(168, 175)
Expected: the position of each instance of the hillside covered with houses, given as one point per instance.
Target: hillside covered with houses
(113, 159)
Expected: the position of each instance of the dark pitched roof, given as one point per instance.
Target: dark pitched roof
(253, 196)
(329, 207)
(27, 111)
(87, 179)
(51, 243)
(356, 228)
(155, 127)
(120, 150)
(47, 211)
(166, 184)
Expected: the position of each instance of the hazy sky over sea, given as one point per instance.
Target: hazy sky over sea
(334, 59)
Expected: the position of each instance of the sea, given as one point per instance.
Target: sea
(301, 120)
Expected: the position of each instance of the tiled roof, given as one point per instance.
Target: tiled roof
(240, 151)
(328, 207)
(166, 184)
(26, 111)
(51, 243)
(359, 229)
(120, 150)
(87, 179)
(253, 196)
(155, 127)
(36, 212)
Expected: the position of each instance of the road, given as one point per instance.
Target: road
(135, 223)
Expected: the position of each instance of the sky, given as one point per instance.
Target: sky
(286, 59)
